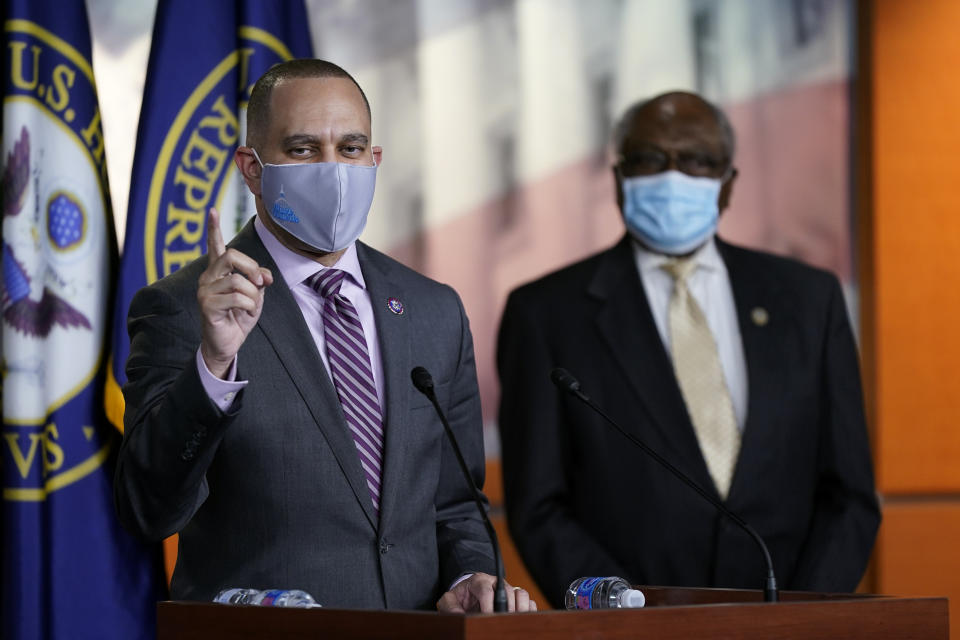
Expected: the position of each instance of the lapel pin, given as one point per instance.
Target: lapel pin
(395, 306)
(759, 316)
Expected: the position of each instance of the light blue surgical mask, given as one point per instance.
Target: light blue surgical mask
(671, 212)
(323, 204)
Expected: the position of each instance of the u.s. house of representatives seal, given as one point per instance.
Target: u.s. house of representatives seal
(55, 264)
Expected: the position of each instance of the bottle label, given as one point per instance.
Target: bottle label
(585, 593)
(270, 596)
(230, 596)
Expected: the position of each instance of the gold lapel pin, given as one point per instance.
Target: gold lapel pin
(760, 316)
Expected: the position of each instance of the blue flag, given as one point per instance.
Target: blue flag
(68, 569)
(204, 60)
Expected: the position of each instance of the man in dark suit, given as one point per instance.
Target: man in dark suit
(270, 417)
(738, 366)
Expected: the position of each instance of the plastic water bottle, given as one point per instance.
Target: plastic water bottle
(603, 593)
(267, 598)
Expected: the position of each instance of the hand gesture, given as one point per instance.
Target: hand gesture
(230, 294)
(476, 594)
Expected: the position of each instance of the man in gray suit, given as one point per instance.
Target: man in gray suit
(270, 418)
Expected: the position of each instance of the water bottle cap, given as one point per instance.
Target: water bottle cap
(632, 599)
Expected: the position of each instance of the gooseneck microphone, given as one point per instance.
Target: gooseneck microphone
(566, 382)
(423, 381)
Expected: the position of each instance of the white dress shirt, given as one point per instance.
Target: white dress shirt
(709, 284)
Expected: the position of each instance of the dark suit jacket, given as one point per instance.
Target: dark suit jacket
(582, 500)
(272, 495)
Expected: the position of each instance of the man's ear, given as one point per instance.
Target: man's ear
(618, 185)
(377, 155)
(723, 200)
(250, 169)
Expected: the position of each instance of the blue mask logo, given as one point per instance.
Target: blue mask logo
(282, 210)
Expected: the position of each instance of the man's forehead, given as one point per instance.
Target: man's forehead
(293, 91)
(678, 118)
(664, 109)
(336, 102)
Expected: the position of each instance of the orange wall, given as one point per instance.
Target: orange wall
(916, 178)
(911, 280)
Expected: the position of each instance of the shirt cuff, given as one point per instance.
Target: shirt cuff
(459, 580)
(221, 392)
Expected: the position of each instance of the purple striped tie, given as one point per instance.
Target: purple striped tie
(352, 375)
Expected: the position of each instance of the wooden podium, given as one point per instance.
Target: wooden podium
(670, 613)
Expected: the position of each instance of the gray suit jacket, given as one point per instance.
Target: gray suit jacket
(271, 494)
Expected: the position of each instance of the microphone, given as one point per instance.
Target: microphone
(566, 382)
(423, 381)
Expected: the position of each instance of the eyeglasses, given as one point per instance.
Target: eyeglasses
(654, 160)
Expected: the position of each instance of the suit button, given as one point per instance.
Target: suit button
(384, 547)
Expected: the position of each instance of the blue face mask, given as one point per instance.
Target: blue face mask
(671, 212)
(323, 204)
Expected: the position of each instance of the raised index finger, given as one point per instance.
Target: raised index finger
(215, 245)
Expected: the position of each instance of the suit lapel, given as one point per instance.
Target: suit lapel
(629, 331)
(393, 334)
(282, 324)
(763, 317)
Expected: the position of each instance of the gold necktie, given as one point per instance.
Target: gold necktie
(700, 376)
